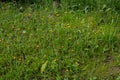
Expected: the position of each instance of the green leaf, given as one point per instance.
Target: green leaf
(85, 68)
(44, 66)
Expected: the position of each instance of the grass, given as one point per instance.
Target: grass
(40, 44)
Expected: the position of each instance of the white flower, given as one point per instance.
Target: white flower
(24, 32)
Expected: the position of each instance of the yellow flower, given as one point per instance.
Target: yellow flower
(57, 14)
(20, 59)
(0, 40)
(76, 64)
(74, 27)
(67, 70)
(38, 46)
(51, 31)
(68, 25)
(14, 57)
(62, 46)
(69, 38)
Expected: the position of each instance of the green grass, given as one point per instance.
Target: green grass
(41, 44)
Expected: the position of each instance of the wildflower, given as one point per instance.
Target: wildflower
(74, 27)
(57, 15)
(68, 25)
(37, 46)
(76, 64)
(20, 59)
(67, 70)
(14, 57)
(69, 38)
(21, 9)
(51, 31)
(62, 46)
(24, 32)
(0, 40)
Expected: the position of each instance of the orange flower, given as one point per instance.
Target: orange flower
(74, 27)
(62, 46)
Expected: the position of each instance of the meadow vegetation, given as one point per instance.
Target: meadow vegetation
(79, 41)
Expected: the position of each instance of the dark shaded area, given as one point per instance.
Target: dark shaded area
(23, 1)
(85, 5)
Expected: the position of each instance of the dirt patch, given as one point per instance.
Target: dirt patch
(114, 70)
